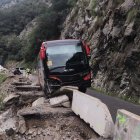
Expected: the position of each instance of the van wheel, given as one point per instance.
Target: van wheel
(51, 86)
(47, 89)
(83, 89)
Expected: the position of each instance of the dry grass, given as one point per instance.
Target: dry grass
(2, 96)
(131, 15)
(2, 78)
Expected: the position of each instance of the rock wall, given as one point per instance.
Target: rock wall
(111, 27)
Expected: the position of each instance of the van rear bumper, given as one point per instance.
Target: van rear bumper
(84, 84)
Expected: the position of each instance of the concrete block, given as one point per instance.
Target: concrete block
(127, 126)
(58, 100)
(94, 112)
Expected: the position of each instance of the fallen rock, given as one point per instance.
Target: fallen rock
(66, 104)
(65, 90)
(3, 136)
(58, 100)
(4, 116)
(8, 125)
(29, 97)
(30, 94)
(31, 131)
(28, 88)
(21, 83)
(39, 102)
(11, 99)
(9, 132)
(44, 110)
(2, 69)
(21, 125)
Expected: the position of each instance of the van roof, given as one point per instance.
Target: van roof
(66, 41)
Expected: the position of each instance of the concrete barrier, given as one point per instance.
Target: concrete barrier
(127, 126)
(94, 112)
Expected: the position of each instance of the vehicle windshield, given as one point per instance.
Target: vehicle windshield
(65, 55)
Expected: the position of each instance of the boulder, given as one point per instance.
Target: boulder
(43, 110)
(39, 102)
(11, 99)
(7, 114)
(29, 97)
(21, 125)
(58, 100)
(8, 125)
(66, 104)
(28, 88)
(8, 122)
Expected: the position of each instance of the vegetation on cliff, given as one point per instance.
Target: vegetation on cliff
(111, 27)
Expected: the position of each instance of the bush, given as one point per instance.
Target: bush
(131, 15)
(2, 96)
(2, 78)
(49, 28)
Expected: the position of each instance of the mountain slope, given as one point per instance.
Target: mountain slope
(8, 3)
(111, 27)
(26, 23)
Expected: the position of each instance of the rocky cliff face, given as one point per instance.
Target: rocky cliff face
(112, 28)
(8, 3)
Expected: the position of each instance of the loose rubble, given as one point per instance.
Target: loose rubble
(2, 69)
(39, 102)
(30, 116)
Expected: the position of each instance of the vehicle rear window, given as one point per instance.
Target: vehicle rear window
(61, 54)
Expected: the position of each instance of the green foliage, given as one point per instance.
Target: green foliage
(49, 24)
(117, 3)
(2, 96)
(72, 2)
(49, 28)
(98, 22)
(131, 15)
(93, 6)
(10, 46)
(132, 99)
(2, 78)
(14, 19)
